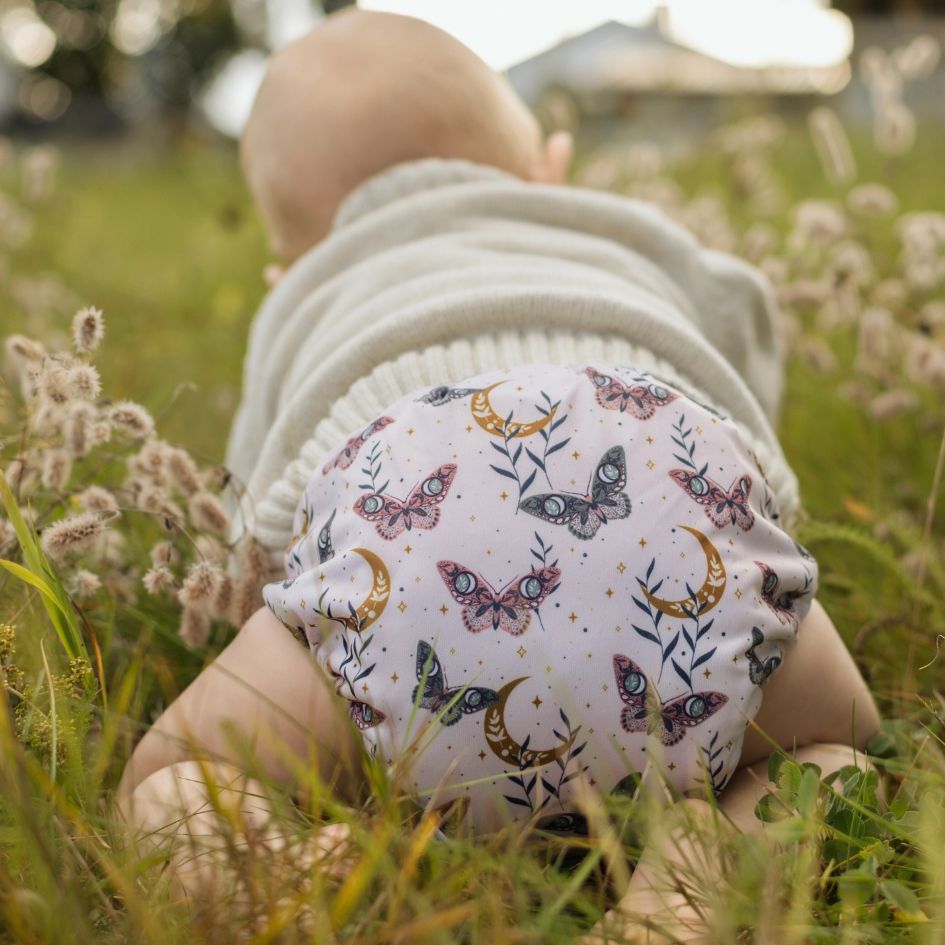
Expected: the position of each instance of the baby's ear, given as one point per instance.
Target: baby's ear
(555, 162)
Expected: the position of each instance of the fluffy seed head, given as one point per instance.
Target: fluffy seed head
(183, 471)
(54, 382)
(84, 382)
(57, 465)
(88, 329)
(194, 627)
(132, 419)
(873, 200)
(71, 535)
(84, 583)
(157, 580)
(206, 513)
(200, 585)
(99, 500)
(163, 554)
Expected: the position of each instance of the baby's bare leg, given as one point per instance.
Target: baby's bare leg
(816, 696)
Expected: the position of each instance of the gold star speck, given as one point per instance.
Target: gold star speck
(734, 659)
(402, 606)
(650, 464)
(699, 430)
(452, 651)
(482, 754)
(649, 439)
(576, 454)
(364, 688)
(682, 554)
(707, 674)
(603, 688)
(418, 579)
(521, 650)
(410, 432)
(738, 593)
(547, 669)
(444, 610)
(503, 495)
(394, 678)
(672, 766)
(572, 616)
(408, 549)
(536, 702)
(642, 542)
(469, 429)
(472, 518)
(609, 592)
(621, 567)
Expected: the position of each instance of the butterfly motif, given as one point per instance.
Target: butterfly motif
(443, 395)
(641, 400)
(325, 548)
(564, 822)
(391, 516)
(585, 514)
(437, 695)
(759, 671)
(723, 506)
(781, 604)
(364, 715)
(346, 455)
(509, 609)
(678, 715)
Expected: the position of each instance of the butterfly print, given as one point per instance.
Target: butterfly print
(565, 822)
(585, 514)
(391, 516)
(364, 715)
(640, 400)
(326, 550)
(509, 609)
(437, 695)
(678, 715)
(782, 604)
(723, 506)
(346, 455)
(759, 671)
(443, 395)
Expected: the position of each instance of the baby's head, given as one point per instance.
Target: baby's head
(364, 91)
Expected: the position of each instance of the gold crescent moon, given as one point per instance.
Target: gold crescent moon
(501, 742)
(712, 588)
(376, 600)
(492, 423)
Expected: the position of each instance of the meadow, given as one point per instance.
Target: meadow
(167, 246)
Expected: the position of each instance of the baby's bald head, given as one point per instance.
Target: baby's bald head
(364, 91)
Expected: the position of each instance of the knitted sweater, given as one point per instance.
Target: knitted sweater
(435, 270)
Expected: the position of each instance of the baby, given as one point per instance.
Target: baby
(509, 444)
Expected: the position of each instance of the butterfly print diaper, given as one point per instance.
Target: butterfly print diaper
(543, 576)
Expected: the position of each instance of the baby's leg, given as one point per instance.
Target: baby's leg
(816, 696)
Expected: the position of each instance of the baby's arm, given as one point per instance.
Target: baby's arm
(265, 689)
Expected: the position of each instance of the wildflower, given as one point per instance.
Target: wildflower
(84, 583)
(100, 432)
(57, 465)
(851, 260)
(88, 329)
(876, 340)
(54, 383)
(163, 554)
(21, 348)
(157, 580)
(246, 600)
(207, 514)
(99, 500)
(818, 221)
(832, 144)
(22, 475)
(252, 560)
(211, 549)
(819, 355)
(183, 471)
(194, 627)
(223, 599)
(872, 200)
(132, 419)
(84, 382)
(891, 403)
(109, 548)
(71, 535)
(201, 584)
(894, 129)
(47, 419)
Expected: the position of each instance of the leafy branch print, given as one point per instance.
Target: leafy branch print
(373, 470)
(714, 764)
(693, 611)
(547, 435)
(653, 635)
(682, 440)
(512, 458)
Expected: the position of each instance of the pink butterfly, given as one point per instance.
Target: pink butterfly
(346, 455)
(391, 516)
(678, 715)
(364, 715)
(509, 609)
(724, 507)
(781, 604)
(641, 400)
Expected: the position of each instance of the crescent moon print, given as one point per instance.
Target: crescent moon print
(584, 515)
(437, 696)
(642, 711)
(442, 395)
(346, 455)
(640, 400)
(508, 609)
(504, 746)
(491, 422)
(711, 591)
(392, 516)
(371, 608)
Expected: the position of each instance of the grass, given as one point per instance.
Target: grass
(167, 245)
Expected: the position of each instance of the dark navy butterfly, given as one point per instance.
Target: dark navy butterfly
(437, 695)
(584, 515)
(443, 395)
(759, 670)
(780, 602)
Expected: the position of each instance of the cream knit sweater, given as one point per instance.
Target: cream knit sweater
(436, 270)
